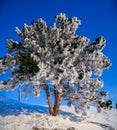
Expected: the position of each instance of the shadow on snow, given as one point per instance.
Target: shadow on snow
(12, 107)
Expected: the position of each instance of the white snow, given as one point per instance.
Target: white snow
(19, 116)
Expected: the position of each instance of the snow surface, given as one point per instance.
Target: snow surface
(19, 116)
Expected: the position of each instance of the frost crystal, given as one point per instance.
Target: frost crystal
(56, 54)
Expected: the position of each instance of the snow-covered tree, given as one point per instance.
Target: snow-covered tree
(56, 55)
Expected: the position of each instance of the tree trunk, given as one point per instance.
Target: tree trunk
(54, 111)
(51, 110)
(57, 103)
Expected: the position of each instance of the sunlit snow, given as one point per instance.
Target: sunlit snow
(19, 116)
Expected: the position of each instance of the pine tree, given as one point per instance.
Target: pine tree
(57, 54)
(106, 105)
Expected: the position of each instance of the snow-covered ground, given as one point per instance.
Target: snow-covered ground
(19, 116)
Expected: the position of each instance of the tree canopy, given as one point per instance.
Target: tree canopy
(56, 53)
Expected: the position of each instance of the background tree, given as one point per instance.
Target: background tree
(57, 54)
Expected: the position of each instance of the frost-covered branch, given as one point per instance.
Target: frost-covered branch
(57, 54)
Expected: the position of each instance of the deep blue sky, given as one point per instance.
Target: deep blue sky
(98, 17)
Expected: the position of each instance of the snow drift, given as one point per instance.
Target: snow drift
(19, 116)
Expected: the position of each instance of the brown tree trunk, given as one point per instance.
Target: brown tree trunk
(57, 103)
(54, 111)
(51, 110)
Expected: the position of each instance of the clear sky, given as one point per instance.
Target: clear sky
(98, 17)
